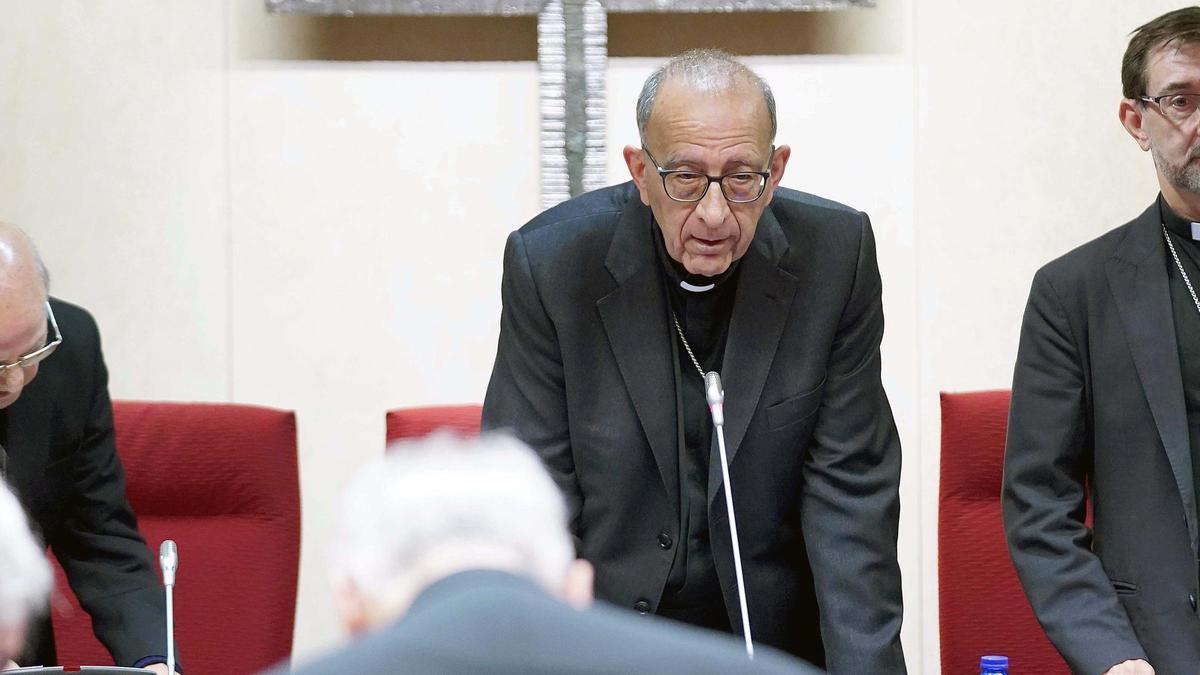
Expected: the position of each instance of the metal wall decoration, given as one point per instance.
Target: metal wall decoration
(572, 63)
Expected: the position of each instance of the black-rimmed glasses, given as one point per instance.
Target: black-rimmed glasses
(738, 187)
(1175, 107)
(38, 355)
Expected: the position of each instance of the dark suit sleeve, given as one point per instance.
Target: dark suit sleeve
(1044, 495)
(850, 505)
(107, 563)
(527, 395)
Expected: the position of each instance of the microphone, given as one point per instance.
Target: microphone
(716, 397)
(168, 560)
(716, 405)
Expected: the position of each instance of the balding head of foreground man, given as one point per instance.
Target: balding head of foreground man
(453, 556)
(434, 508)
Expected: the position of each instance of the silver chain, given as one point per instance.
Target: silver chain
(697, 363)
(1178, 264)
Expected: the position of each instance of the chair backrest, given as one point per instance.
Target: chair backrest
(406, 423)
(222, 481)
(982, 608)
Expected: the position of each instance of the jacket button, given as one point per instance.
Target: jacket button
(664, 540)
(642, 607)
(1192, 600)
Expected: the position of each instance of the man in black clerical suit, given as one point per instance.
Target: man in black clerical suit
(613, 304)
(452, 556)
(57, 453)
(1106, 401)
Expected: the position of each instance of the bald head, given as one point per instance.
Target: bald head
(21, 268)
(23, 317)
(707, 72)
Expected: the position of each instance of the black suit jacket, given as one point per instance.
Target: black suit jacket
(1098, 409)
(62, 463)
(584, 373)
(494, 623)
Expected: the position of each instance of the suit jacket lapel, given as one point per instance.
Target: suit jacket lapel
(760, 310)
(1137, 276)
(635, 319)
(27, 448)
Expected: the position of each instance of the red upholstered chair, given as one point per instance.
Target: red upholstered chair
(405, 423)
(222, 481)
(982, 607)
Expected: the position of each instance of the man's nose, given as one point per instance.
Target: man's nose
(11, 379)
(713, 207)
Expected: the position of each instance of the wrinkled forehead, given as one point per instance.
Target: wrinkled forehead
(685, 112)
(22, 322)
(1173, 67)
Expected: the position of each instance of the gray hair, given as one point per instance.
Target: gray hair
(26, 579)
(703, 70)
(446, 497)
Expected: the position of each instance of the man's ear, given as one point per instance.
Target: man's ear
(351, 606)
(779, 162)
(1132, 118)
(12, 638)
(635, 159)
(577, 584)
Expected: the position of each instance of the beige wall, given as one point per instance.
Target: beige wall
(257, 213)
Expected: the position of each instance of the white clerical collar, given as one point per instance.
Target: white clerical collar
(696, 289)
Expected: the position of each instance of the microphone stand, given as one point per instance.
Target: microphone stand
(716, 403)
(168, 559)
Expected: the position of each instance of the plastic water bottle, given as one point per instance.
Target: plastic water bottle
(993, 665)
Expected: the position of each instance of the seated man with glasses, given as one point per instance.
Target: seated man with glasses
(58, 455)
(614, 305)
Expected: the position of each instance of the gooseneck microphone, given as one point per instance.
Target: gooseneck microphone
(716, 405)
(168, 560)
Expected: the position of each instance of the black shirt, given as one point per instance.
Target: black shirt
(1187, 321)
(693, 591)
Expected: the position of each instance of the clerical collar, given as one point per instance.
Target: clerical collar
(1184, 227)
(678, 275)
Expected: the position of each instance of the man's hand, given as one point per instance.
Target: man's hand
(161, 669)
(1138, 667)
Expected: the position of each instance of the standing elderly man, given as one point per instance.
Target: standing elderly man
(613, 304)
(1106, 401)
(453, 556)
(57, 452)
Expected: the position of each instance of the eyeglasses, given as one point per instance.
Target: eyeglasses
(1175, 107)
(37, 356)
(738, 187)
